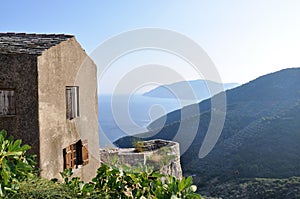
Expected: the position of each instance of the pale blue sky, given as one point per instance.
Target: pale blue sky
(244, 38)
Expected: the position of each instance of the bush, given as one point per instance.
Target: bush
(17, 180)
(14, 165)
(112, 182)
(43, 189)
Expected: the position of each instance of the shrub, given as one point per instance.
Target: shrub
(14, 165)
(41, 188)
(138, 183)
(142, 182)
(17, 180)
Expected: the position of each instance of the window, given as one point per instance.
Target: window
(7, 102)
(72, 102)
(75, 155)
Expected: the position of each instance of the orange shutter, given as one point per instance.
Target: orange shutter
(85, 152)
(67, 158)
(73, 156)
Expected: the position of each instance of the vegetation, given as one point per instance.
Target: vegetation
(110, 182)
(260, 138)
(138, 145)
(288, 188)
(36, 187)
(14, 165)
(17, 180)
(127, 183)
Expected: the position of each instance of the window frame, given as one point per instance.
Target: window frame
(72, 102)
(76, 155)
(11, 102)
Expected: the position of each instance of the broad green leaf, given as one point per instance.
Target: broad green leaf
(15, 146)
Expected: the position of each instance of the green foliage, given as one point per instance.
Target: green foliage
(110, 182)
(78, 188)
(139, 182)
(14, 165)
(43, 189)
(255, 188)
(127, 183)
(17, 180)
(174, 188)
(138, 145)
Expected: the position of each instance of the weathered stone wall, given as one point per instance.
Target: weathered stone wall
(165, 159)
(66, 64)
(122, 156)
(19, 72)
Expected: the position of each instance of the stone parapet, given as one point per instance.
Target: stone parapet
(161, 155)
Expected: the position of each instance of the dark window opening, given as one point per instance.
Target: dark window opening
(7, 102)
(76, 155)
(72, 102)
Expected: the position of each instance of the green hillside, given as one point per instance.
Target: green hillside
(260, 137)
(287, 188)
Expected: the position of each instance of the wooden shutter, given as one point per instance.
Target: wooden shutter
(11, 102)
(73, 156)
(7, 102)
(67, 152)
(68, 103)
(70, 157)
(72, 102)
(85, 152)
(76, 154)
(75, 103)
(1, 102)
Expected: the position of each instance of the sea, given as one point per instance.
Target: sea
(123, 115)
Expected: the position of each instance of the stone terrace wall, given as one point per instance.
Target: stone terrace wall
(163, 156)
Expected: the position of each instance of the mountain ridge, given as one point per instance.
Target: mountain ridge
(260, 134)
(189, 89)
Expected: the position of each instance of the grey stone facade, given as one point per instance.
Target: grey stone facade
(19, 72)
(38, 68)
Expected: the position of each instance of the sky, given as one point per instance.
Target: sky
(244, 39)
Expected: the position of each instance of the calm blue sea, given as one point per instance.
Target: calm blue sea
(121, 115)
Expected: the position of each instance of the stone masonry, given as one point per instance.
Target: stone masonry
(37, 69)
(162, 155)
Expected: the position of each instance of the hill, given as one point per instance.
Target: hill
(261, 134)
(287, 188)
(195, 89)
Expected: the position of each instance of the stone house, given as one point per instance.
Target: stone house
(48, 98)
